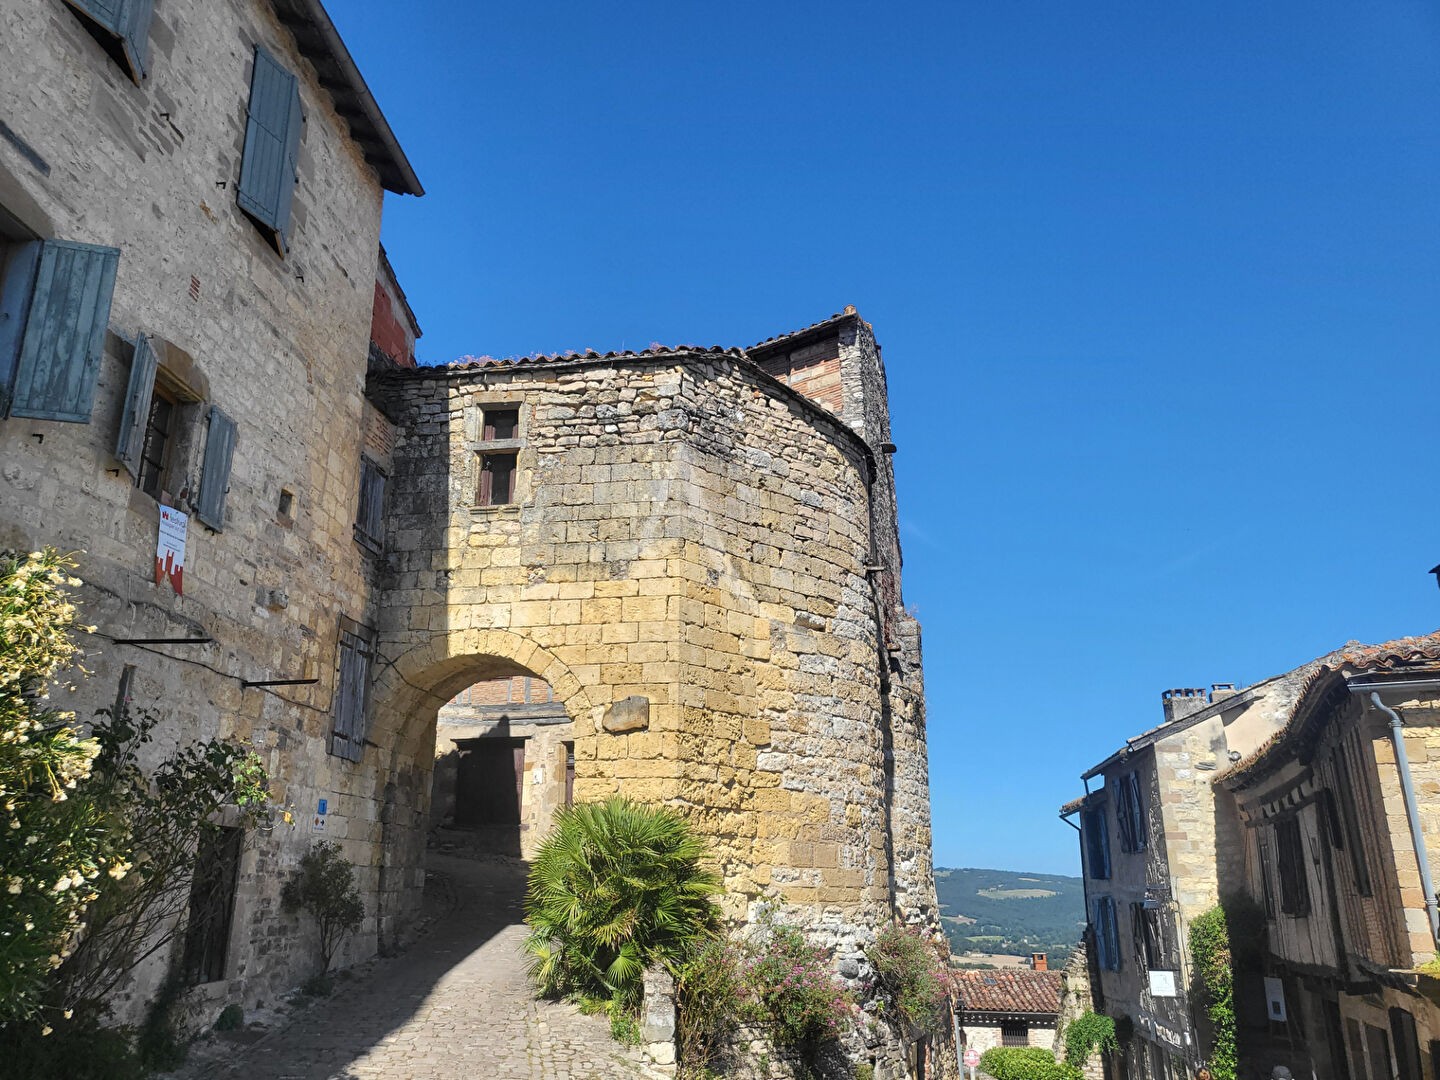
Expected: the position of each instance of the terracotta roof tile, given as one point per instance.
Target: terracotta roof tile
(1019, 991)
(848, 313)
(1355, 656)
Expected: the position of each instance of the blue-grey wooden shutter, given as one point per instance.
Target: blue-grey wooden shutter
(64, 332)
(129, 22)
(268, 168)
(137, 406)
(352, 694)
(215, 475)
(370, 521)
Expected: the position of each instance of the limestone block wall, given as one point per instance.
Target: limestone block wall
(686, 531)
(279, 344)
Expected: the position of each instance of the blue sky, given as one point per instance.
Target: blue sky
(1157, 286)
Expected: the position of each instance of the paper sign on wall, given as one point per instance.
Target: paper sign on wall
(1162, 984)
(170, 550)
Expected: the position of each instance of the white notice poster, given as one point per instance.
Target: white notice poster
(1162, 984)
(170, 551)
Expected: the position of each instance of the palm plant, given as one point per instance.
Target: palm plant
(615, 888)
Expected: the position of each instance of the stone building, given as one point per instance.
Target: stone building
(1285, 795)
(1339, 818)
(190, 207)
(1152, 838)
(1008, 1008)
(694, 550)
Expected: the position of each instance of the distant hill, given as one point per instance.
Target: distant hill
(1010, 912)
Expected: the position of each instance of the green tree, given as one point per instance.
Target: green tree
(615, 888)
(324, 886)
(55, 839)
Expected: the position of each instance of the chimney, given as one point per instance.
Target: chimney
(1219, 691)
(1039, 962)
(1183, 701)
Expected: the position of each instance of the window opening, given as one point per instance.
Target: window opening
(159, 435)
(212, 905)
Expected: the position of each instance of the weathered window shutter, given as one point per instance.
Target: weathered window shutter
(352, 693)
(128, 21)
(64, 334)
(269, 167)
(215, 477)
(137, 406)
(370, 520)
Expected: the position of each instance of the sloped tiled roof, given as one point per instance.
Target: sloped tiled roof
(1019, 991)
(838, 317)
(477, 363)
(1388, 656)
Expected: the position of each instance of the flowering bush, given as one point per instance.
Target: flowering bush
(793, 985)
(711, 1000)
(1025, 1063)
(914, 978)
(53, 847)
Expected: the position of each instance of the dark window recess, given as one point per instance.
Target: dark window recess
(286, 506)
(212, 903)
(1107, 934)
(1377, 1046)
(1345, 796)
(215, 475)
(1333, 827)
(1407, 1045)
(1434, 1059)
(1263, 854)
(1335, 1040)
(352, 690)
(54, 308)
(1097, 843)
(497, 479)
(1294, 884)
(501, 424)
(122, 27)
(1130, 813)
(1149, 943)
(370, 519)
(269, 166)
(1014, 1033)
(159, 432)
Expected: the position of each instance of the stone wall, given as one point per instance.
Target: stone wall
(278, 343)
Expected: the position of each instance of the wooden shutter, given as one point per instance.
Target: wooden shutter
(352, 694)
(1137, 813)
(137, 406)
(126, 24)
(64, 333)
(370, 520)
(215, 476)
(268, 168)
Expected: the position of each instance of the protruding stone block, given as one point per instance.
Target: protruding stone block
(627, 714)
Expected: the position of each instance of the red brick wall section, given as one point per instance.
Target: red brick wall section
(388, 332)
(813, 369)
(509, 691)
(379, 436)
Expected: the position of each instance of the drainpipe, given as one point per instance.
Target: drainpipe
(1412, 811)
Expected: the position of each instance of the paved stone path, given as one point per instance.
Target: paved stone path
(453, 1005)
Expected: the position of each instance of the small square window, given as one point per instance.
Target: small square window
(501, 424)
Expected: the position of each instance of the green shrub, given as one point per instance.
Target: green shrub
(79, 1049)
(1025, 1063)
(1088, 1032)
(1214, 974)
(615, 888)
(624, 1028)
(231, 1018)
(324, 886)
(711, 1000)
(913, 976)
(792, 982)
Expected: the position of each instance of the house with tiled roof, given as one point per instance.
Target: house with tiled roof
(1338, 818)
(1017, 1007)
(1163, 840)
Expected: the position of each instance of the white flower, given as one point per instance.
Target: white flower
(61, 885)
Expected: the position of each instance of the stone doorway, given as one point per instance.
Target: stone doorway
(504, 761)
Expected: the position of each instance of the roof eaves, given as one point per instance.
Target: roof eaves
(814, 328)
(321, 44)
(1354, 658)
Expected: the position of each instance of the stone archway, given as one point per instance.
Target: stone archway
(408, 693)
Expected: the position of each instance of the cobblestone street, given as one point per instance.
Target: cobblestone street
(453, 1004)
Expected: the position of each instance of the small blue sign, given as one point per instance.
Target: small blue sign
(324, 807)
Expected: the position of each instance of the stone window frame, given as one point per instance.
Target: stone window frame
(178, 378)
(478, 447)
